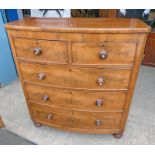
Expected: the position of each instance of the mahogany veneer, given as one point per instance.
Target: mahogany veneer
(149, 57)
(78, 74)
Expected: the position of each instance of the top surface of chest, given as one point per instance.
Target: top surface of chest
(91, 25)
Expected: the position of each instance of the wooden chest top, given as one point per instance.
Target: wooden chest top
(91, 25)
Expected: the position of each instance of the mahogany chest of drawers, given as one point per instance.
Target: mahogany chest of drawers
(78, 74)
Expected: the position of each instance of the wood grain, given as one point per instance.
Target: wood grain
(63, 84)
(76, 100)
(76, 37)
(133, 78)
(59, 117)
(75, 119)
(108, 13)
(85, 78)
(149, 57)
(99, 25)
(54, 75)
(1, 123)
(53, 51)
(117, 53)
(87, 120)
(20, 74)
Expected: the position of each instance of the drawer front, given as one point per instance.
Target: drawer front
(41, 50)
(98, 121)
(100, 78)
(98, 101)
(75, 119)
(85, 78)
(49, 96)
(103, 53)
(77, 100)
(78, 37)
(42, 74)
(53, 116)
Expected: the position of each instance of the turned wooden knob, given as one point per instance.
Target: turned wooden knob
(41, 76)
(45, 98)
(49, 116)
(99, 103)
(100, 81)
(98, 122)
(103, 54)
(37, 51)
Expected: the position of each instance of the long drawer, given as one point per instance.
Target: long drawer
(42, 50)
(103, 53)
(76, 100)
(76, 119)
(84, 78)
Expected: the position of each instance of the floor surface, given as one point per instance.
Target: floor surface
(140, 128)
(8, 138)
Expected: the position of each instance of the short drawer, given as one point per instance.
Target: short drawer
(84, 78)
(98, 101)
(113, 53)
(76, 100)
(96, 120)
(41, 50)
(52, 116)
(104, 79)
(49, 96)
(44, 74)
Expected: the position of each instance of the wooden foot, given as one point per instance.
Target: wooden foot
(37, 124)
(118, 135)
(1, 123)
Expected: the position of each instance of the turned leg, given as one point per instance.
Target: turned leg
(37, 124)
(118, 135)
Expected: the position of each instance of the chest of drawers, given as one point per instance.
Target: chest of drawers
(78, 74)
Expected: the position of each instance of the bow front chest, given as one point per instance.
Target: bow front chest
(78, 74)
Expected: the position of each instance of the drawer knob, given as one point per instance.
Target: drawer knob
(103, 54)
(100, 81)
(49, 116)
(41, 76)
(98, 122)
(99, 103)
(37, 51)
(45, 98)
